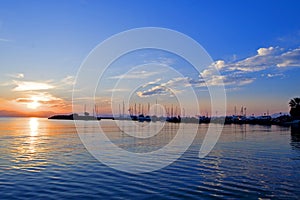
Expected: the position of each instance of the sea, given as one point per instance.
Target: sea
(46, 159)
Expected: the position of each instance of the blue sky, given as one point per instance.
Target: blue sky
(255, 43)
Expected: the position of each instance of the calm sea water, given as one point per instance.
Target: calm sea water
(43, 159)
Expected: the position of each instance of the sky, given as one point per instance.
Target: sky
(255, 45)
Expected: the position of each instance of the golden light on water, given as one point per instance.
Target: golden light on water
(32, 140)
(28, 154)
(34, 125)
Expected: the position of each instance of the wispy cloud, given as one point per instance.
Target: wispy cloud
(118, 90)
(152, 82)
(242, 72)
(42, 98)
(273, 75)
(162, 61)
(290, 58)
(226, 80)
(68, 80)
(231, 74)
(19, 84)
(54, 94)
(291, 39)
(170, 87)
(155, 90)
(18, 75)
(136, 75)
(31, 86)
(5, 40)
(265, 58)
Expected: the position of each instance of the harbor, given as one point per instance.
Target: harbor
(172, 115)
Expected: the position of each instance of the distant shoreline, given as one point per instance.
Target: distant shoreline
(282, 120)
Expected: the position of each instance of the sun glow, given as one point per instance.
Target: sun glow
(40, 99)
(34, 104)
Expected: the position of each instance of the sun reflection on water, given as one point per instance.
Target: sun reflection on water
(32, 140)
(29, 154)
(34, 125)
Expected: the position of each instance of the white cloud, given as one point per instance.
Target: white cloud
(31, 86)
(43, 98)
(290, 58)
(252, 64)
(68, 80)
(118, 90)
(177, 82)
(265, 51)
(156, 90)
(152, 82)
(219, 64)
(136, 75)
(20, 85)
(226, 80)
(266, 58)
(233, 74)
(271, 75)
(40, 92)
(18, 75)
(168, 88)
(206, 73)
(242, 72)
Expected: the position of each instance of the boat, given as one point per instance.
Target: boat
(142, 118)
(174, 119)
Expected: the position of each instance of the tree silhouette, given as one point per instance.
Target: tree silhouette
(295, 108)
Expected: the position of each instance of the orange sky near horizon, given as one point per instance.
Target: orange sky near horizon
(39, 107)
(30, 107)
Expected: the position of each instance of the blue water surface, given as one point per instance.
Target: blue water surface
(43, 159)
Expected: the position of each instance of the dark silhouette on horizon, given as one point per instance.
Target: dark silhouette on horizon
(283, 119)
(295, 108)
(295, 127)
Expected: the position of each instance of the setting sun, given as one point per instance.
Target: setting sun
(39, 102)
(33, 105)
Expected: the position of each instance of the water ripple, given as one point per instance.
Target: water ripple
(248, 162)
